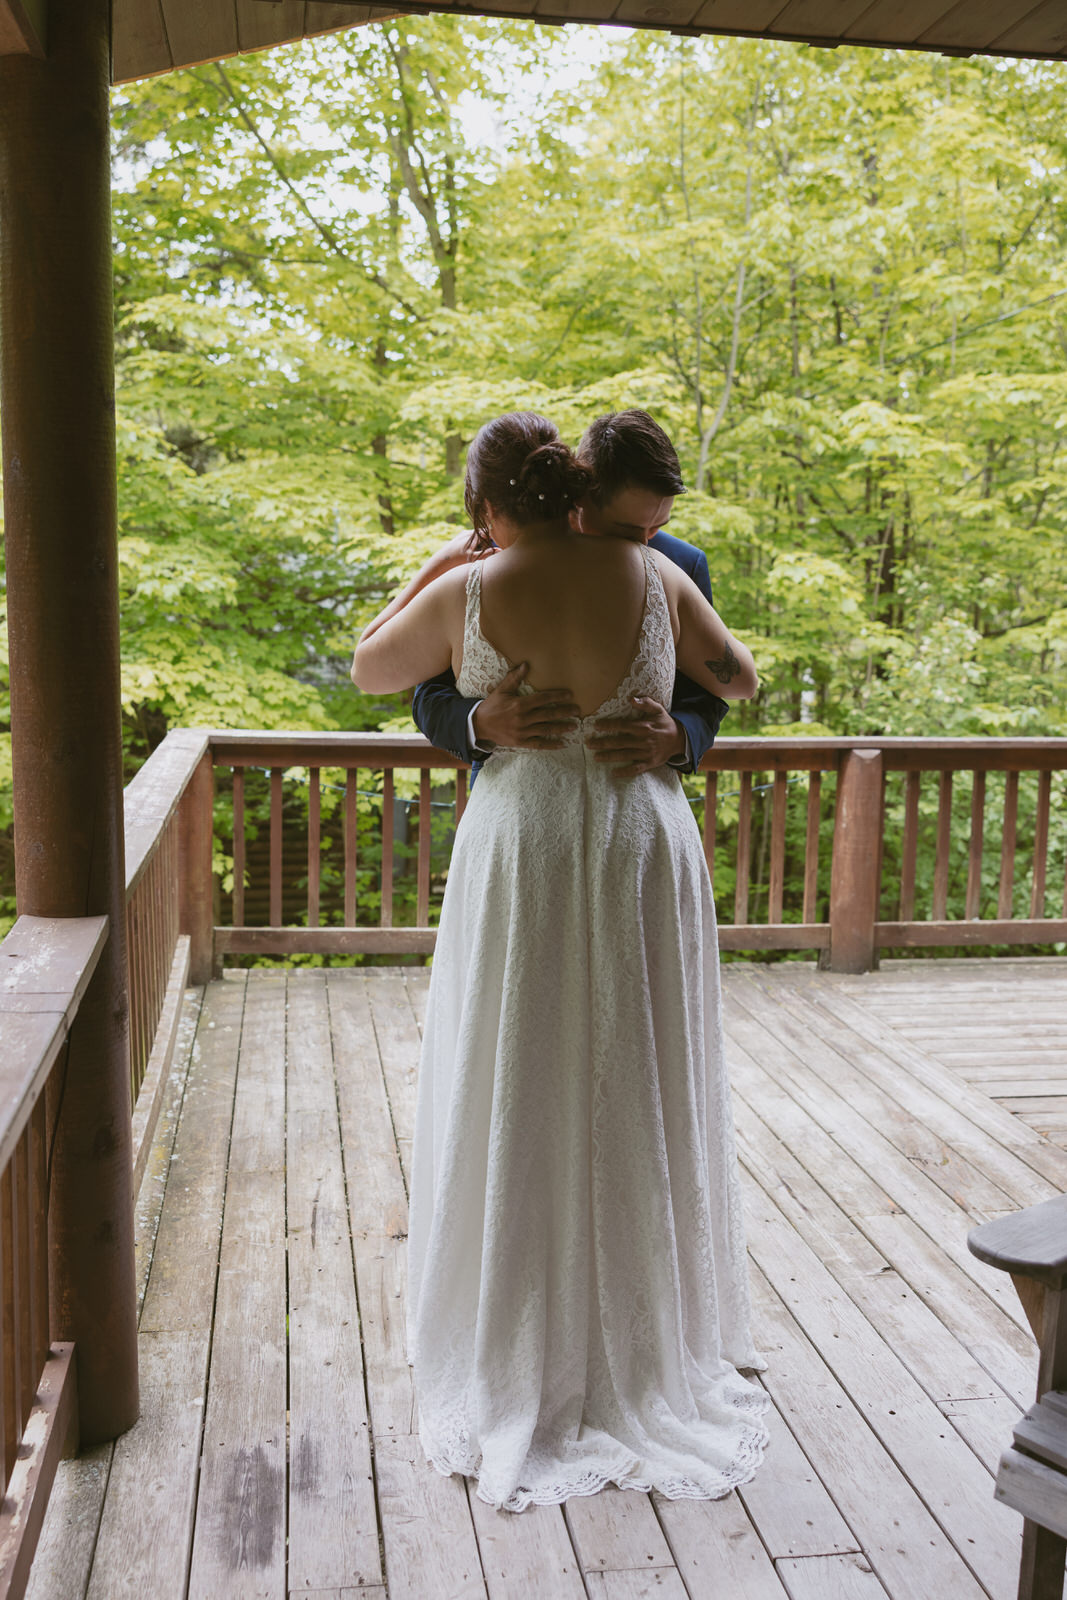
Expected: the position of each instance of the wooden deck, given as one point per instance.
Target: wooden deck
(877, 1118)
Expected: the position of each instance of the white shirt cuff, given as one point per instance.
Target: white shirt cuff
(480, 750)
(683, 761)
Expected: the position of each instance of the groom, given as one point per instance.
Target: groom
(636, 476)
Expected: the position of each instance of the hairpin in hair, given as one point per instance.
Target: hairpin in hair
(512, 482)
(540, 497)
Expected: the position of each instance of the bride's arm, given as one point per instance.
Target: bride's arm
(451, 555)
(706, 650)
(415, 642)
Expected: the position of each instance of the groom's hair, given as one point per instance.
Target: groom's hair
(628, 450)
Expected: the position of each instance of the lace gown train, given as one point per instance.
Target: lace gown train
(577, 1287)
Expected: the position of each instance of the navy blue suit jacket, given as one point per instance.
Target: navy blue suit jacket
(441, 712)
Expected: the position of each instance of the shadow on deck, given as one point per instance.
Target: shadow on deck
(878, 1117)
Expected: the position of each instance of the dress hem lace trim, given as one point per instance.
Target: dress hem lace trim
(450, 1459)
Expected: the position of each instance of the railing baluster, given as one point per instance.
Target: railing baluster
(974, 855)
(238, 847)
(777, 872)
(351, 819)
(131, 978)
(163, 950)
(388, 785)
(39, 1170)
(145, 894)
(910, 848)
(156, 940)
(135, 924)
(131, 983)
(461, 793)
(811, 847)
(314, 851)
(13, 1419)
(941, 858)
(711, 805)
(422, 911)
(170, 843)
(1007, 846)
(883, 796)
(1037, 893)
(276, 847)
(20, 1162)
(744, 848)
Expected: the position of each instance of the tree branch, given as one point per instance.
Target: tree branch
(324, 231)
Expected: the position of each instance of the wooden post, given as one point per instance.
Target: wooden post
(196, 915)
(58, 410)
(854, 870)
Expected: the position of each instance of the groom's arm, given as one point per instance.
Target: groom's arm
(444, 715)
(699, 713)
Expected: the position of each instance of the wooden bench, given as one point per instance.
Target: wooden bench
(1032, 1478)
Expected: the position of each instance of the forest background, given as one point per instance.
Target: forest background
(839, 279)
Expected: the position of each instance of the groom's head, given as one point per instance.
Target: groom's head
(635, 476)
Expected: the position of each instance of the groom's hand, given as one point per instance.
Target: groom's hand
(638, 743)
(524, 721)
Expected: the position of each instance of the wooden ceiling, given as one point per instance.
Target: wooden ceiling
(153, 36)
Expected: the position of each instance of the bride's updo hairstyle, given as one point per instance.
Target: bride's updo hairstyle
(519, 465)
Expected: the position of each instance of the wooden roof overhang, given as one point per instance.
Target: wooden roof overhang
(153, 36)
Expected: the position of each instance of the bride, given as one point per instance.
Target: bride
(578, 1305)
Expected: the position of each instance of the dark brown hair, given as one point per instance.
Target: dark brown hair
(629, 449)
(519, 465)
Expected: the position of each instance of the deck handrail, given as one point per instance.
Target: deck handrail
(844, 850)
(46, 964)
(45, 967)
(168, 883)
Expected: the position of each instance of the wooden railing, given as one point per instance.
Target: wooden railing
(45, 967)
(168, 912)
(819, 839)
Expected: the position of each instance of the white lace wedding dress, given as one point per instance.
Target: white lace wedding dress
(577, 1288)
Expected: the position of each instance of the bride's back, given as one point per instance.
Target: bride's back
(570, 606)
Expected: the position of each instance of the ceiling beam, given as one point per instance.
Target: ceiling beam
(22, 27)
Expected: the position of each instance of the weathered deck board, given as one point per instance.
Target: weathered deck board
(333, 1530)
(238, 1546)
(79, 1522)
(271, 1247)
(1007, 1037)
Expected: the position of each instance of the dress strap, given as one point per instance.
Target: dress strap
(471, 624)
(655, 649)
(656, 607)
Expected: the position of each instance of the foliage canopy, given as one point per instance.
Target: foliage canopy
(836, 276)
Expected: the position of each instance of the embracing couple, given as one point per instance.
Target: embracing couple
(578, 1308)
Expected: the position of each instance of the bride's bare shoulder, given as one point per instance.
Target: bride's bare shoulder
(451, 582)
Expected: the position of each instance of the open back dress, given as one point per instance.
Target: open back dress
(578, 1306)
